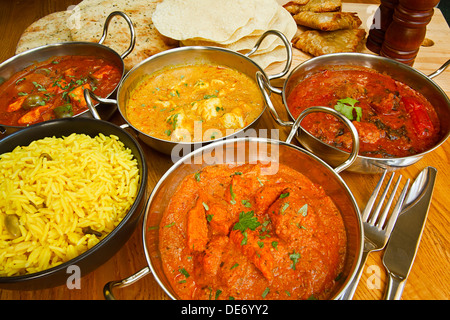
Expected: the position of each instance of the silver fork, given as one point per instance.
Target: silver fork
(376, 232)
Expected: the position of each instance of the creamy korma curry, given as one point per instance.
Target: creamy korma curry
(198, 102)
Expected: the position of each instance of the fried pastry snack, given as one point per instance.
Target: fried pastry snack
(318, 43)
(295, 7)
(328, 21)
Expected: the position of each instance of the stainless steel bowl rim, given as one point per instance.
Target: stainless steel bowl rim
(213, 145)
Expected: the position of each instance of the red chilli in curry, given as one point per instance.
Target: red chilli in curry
(392, 119)
(232, 232)
(54, 89)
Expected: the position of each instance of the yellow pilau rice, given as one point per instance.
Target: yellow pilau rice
(57, 187)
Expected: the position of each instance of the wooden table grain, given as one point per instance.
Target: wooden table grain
(430, 276)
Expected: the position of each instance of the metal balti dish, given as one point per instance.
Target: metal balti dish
(189, 55)
(398, 71)
(105, 249)
(22, 60)
(250, 150)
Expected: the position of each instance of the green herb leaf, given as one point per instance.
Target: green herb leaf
(169, 225)
(244, 240)
(260, 182)
(294, 257)
(266, 292)
(246, 203)
(184, 272)
(274, 244)
(347, 107)
(303, 210)
(284, 195)
(247, 220)
(285, 206)
(233, 195)
(173, 120)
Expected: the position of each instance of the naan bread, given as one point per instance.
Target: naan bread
(149, 41)
(318, 43)
(328, 21)
(52, 28)
(314, 6)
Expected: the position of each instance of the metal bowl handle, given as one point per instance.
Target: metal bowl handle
(340, 116)
(108, 288)
(264, 84)
(130, 25)
(287, 45)
(89, 95)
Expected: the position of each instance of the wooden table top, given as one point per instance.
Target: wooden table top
(430, 276)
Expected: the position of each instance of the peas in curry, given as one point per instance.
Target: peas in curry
(198, 102)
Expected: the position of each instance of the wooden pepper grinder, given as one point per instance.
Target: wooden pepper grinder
(407, 30)
(381, 21)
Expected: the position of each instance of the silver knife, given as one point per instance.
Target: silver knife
(405, 237)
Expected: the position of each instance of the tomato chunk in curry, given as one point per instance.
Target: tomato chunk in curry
(231, 232)
(54, 88)
(197, 102)
(392, 119)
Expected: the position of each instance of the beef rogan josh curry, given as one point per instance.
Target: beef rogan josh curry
(392, 119)
(197, 102)
(54, 89)
(231, 232)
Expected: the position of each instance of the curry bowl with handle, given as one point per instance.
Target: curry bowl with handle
(27, 60)
(249, 151)
(185, 56)
(110, 243)
(396, 70)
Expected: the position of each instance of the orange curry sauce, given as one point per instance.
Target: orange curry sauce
(396, 121)
(54, 89)
(230, 232)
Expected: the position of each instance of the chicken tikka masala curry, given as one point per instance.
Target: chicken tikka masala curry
(232, 232)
